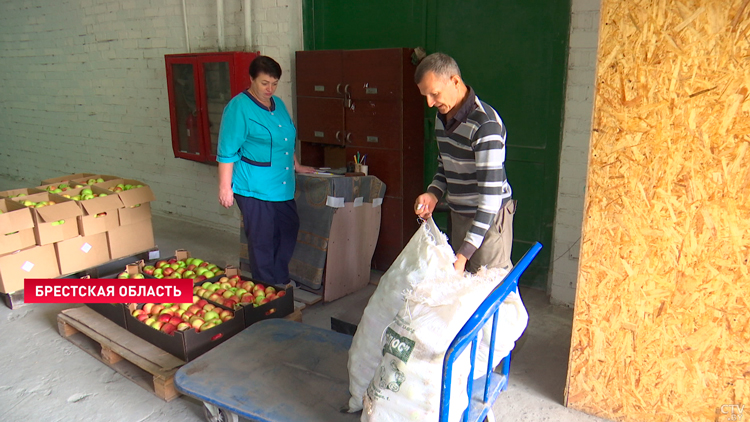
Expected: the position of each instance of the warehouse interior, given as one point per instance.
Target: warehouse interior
(628, 132)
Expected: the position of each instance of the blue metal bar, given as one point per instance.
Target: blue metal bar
(468, 335)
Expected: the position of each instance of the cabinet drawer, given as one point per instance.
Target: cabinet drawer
(320, 120)
(374, 123)
(383, 164)
(374, 74)
(319, 73)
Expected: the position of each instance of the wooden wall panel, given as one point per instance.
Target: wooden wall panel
(662, 324)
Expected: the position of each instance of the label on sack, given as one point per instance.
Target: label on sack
(358, 201)
(397, 345)
(86, 248)
(377, 202)
(27, 266)
(335, 202)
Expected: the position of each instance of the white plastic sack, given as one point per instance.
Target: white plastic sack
(427, 256)
(406, 385)
(512, 319)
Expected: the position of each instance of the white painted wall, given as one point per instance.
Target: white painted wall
(84, 89)
(584, 29)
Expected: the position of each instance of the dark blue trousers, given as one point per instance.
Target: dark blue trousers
(271, 229)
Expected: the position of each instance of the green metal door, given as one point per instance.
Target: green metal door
(512, 53)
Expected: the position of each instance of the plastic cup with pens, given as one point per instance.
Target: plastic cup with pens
(360, 165)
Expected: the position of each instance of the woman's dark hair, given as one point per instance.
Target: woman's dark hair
(265, 64)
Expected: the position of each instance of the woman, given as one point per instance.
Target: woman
(256, 168)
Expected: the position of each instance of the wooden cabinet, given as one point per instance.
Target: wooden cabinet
(366, 101)
(199, 86)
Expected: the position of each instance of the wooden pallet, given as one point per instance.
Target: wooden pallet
(131, 356)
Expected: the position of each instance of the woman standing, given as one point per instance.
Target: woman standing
(257, 167)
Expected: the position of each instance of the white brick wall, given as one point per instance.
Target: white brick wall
(584, 28)
(84, 89)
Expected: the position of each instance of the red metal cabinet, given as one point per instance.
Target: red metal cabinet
(365, 101)
(199, 86)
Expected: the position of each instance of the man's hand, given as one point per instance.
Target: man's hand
(425, 205)
(460, 264)
(226, 197)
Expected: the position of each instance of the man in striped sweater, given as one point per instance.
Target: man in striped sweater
(471, 168)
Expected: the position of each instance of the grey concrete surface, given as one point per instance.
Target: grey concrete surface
(43, 377)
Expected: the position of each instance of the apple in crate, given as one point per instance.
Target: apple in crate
(183, 326)
(196, 322)
(156, 325)
(149, 269)
(169, 328)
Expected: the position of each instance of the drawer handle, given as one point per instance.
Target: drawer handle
(320, 88)
(319, 134)
(349, 138)
(338, 132)
(373, 139)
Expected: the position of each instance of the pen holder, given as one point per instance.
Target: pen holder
(361, 168)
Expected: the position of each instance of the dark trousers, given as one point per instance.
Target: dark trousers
(271, 229)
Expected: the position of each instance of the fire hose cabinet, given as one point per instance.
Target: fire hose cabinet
(199, 86)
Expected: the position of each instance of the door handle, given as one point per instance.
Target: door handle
(338, 132)
(349, 138)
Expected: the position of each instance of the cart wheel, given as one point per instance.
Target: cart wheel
(217, 414)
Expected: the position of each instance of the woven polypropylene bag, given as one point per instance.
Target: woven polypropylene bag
(427, 256)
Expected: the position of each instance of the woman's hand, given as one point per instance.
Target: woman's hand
(226, 197)
(304, 169)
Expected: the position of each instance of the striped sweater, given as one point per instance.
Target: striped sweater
(471, 168)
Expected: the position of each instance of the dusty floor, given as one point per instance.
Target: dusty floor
(43, 377)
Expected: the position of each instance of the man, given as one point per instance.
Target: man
(471, 168)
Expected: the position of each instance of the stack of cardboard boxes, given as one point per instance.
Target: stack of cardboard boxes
(70, 235)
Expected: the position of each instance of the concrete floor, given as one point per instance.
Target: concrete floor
(43, 377)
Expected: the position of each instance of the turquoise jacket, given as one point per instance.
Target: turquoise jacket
(260, 143)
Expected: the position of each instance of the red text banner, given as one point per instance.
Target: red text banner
(107, 290)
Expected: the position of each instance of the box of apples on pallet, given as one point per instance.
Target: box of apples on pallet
(183, 266)
(253, 301)
(116, 312)
(185, 330)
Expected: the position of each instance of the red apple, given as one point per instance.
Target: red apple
(139, 312)
(149, 269)
(247, 298)
(172, 261)
(175, 320)
(147, 307)
(229, 303)
(214, 297)
(161, 263)
(168, 271)
(187, 314)
(226, 318)
(271, 297)
(164, 317)
(156, 309)
(142, 317)
(201, 303)
(281, 293)
(157, 325)
(169, 328)
(269, 290)
(248, 286)
(194, 308)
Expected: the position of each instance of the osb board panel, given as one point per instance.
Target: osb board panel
(662, 327)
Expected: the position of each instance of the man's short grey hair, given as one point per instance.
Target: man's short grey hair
(440, 64)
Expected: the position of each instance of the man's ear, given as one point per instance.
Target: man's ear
(456, 80)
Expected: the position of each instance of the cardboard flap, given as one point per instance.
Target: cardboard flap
(182, 254)
(14, 192)
(67, 178)
(101, 204)
(133, 196)
(59, 211)
(15, 217)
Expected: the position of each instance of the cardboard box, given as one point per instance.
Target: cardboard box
(116, 312)
(100, 214)
(16, 227)
(46, 218)
(33, 262)
(67, 178)
(82, 252)
(183, 255)
(14, 193)
(277, 308)
(186, 345)
(135, 201)
(86, 180)
(130, 239)
(52, 187)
